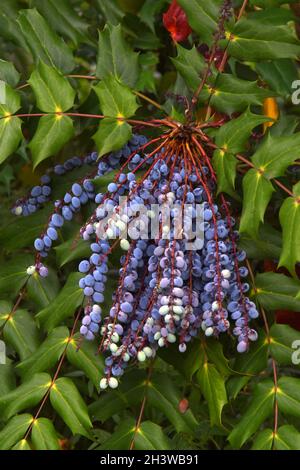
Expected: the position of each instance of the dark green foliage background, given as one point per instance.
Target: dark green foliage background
(233, 399)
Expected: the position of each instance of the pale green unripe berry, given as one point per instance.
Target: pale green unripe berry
(203, 326)
(18, 210)
(157, 335)
(209, 331)
(148, 351)
(113, 347)
(112, 382)
(103, 383)
(168, 318)
(30, 270)
(110, 233)
(215, 306)
(124, 244)
(114, 337)
(161, 342)
(226, 273)
(177, 309)
(141, 356)
(171, 338)
(164, 310)
(126, 357)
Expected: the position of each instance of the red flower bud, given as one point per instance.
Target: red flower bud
(183, 405)
(175, 21)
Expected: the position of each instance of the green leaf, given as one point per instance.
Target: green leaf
(25, 396)
(190, 64)
(52, 90)
(64, 305)
(13, 274)
(287, 438)
(111, 11)
(149, 10)
(8, 72)
(278, 74)
(10, 127)
(268, 245)
(249, 364)
(257, 192)
(202, 17)
(212, 385)
(282, 339)
(64, 19)
(263, 440)
(68, 403)
(14, 430)
(260, 408)
(277, 291)
(116, 57)
(9, 28)
(255, 40)
(289, 216)
(7, 378)
(149, 436)
(111, 135)
(71, 250)
(20, 331)
(43, 43)
(288, 396)
(116, 100)
(21, 445)
(52, 133)
(87, 359)
(275, 154)
(47, 355)
(232, 138)
(165, 396)
(42, 290)
(43, 435)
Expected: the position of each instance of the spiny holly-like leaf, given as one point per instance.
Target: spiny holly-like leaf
(13, 274)
(7, 377)
(277, 291)
(8, 26)
(260, 408)
(202, 16)
(190, 64)
(116, 100)
(164, 395)
(249, 364)
(70, 250)
(256, 40)
(116, 57)
(148, 436)
(287, 438)
(289, 217)
(47, 355)
(14, 430)
(8, 72)
(20, 331)
(268, 245)
(52, 90)
(283, 338)
(257, 192)
(111, 11)
(278, 74)
(212, 385)
(68, 403)
(43, 43)
(43, 435)
(275, 154)
(26, 395)
(21, 445)
(43, 290)
(263, 440)
(231, 139)
(64, 305)
(10, 127)
(87, 359)
(64, 19)
(288, 396)
(111, 135)
(52, 133)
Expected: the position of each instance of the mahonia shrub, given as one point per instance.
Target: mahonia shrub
(117, 333)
